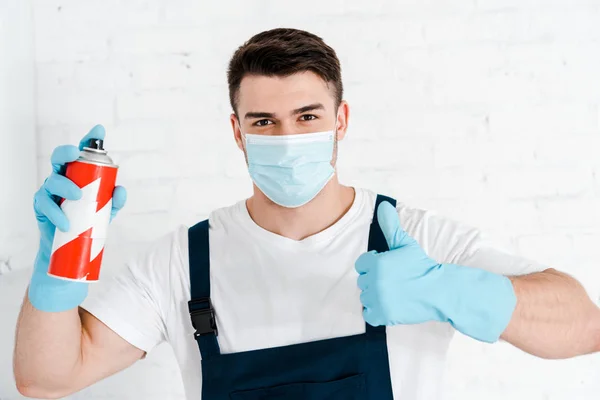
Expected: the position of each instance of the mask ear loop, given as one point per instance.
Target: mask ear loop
(244, 142)
(335, 129)
(242, 134)
(334, 156)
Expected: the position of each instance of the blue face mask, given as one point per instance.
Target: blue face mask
(290, 169)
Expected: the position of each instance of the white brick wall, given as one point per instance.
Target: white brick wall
(486, 110)
(17, 131)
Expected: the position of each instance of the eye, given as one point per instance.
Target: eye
(308, 117)
(262, 122)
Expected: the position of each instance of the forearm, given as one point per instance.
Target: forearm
(47, 354)
(554, 317)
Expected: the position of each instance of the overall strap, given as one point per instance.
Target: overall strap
(200, 306)
(378, 243)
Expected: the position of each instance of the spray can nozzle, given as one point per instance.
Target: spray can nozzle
(96, 144)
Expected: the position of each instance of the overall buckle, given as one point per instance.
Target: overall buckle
(203, 319)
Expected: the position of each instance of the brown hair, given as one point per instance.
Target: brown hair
(283, 52)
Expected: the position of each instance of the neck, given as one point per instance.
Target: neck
(298, 223)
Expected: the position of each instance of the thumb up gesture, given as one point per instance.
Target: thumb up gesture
(402, 285)
(405, 286)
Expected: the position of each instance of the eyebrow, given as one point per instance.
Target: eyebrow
(310, 107)
(252, 114)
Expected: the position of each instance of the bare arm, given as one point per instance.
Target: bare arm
(554, 317)
(60, 353)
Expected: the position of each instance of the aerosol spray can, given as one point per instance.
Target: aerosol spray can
(77, 254)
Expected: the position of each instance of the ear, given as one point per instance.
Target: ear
(343, 115)
(237, 132)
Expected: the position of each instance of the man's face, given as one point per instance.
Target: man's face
(299, 103)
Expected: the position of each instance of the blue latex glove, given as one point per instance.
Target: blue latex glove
(405, 286)
(47, 293)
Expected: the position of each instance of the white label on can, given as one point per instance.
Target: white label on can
(82, 216)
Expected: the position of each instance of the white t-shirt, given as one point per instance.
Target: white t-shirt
(268, 290)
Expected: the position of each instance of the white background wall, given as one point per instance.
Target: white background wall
(17, 132)
(486, 110)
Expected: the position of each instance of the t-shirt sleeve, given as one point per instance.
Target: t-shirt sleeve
(452, 242)
(134, 302)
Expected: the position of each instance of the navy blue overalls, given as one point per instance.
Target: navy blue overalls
(349, 368)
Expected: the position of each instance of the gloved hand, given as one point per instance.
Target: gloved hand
(405, 286)
(47, 293)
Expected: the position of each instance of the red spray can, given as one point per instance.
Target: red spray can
(77, 254)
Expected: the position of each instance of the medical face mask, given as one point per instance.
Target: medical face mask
(290, 169)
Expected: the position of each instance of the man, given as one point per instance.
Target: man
(309, 288)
